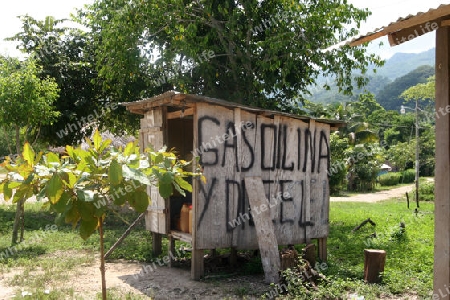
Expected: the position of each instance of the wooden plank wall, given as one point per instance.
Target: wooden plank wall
(152, 134)
(290, 155)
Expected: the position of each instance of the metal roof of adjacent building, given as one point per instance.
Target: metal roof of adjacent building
(438, 15)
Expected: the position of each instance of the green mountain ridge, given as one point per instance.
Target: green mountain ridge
(402, 63)
(398, 66)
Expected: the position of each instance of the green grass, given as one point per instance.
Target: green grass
(408, 271)
(409, 264)
(48, 254)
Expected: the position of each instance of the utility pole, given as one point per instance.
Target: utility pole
(417, 152)
(416, 109)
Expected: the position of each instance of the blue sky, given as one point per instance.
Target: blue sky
(384, 12)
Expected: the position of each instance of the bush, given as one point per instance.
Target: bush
(408, 176)
(389, 179)
(426, 191)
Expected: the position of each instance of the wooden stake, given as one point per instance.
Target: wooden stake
(124, 235)
(368, 220)
(407, 199)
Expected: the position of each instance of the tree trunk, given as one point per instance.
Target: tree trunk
(20, 211)
(17, 140)
(18, 222)
(7, 140)
(102, 259)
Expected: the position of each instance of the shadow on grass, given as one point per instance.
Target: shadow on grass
(34, 219)
(18, 251)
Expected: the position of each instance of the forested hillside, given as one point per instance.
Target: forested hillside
(394, 68)
(389, 96)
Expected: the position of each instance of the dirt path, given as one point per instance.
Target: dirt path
(378, 196)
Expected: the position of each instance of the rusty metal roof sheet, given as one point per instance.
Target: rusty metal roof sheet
(433, 14)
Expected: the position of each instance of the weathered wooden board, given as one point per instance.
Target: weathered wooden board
(290, 155)
(152, 133)
(265, 232)
(220, 194)
(319, 190)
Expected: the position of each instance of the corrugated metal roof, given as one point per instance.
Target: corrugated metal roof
(433, 14)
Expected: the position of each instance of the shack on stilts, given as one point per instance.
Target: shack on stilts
(266, 177)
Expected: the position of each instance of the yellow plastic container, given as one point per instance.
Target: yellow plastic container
(184, 218)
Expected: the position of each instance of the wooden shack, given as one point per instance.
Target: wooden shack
(287, 156)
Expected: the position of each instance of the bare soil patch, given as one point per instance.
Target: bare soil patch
(127, 278)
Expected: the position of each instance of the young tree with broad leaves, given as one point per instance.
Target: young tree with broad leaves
(82, 186)
(26, 101)
(26, 104)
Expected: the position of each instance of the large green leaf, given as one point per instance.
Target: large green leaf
(139, 201)
(134, 174)
(128, 149)
(52, 159)
(118, 194)
(54, 188)
(115, 172)
(85, 195)
(28, 154)
(165, 189)
(72, 216)
(88, 227)
(97, 140)
(7, 191)
(86, 210)
(183, 184)
(63, 204)
(23, 192)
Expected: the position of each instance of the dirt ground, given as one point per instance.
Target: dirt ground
(163, 283)
(378, 196)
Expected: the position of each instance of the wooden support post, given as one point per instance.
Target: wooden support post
(233, 256)
(197, 255)
(374, 261)
(309, 253)
(171, 249)
(197, 267)
(442, 169)
(213, 253)
(265, 232)
(322, 248)
(156, 243)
